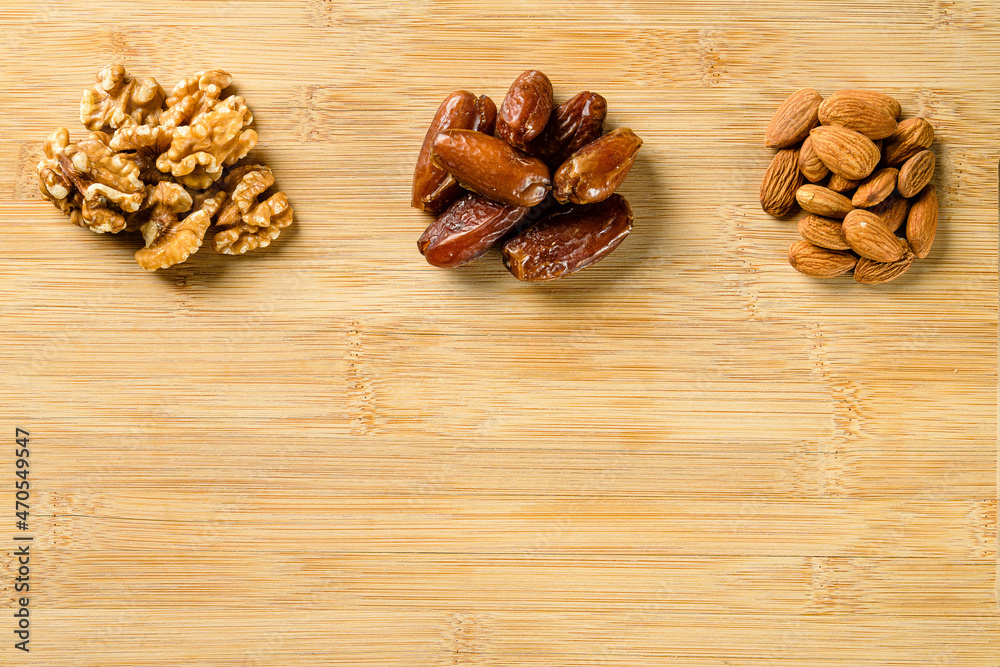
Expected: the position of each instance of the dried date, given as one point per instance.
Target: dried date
(525, 109)
(594, 172)
(467, 229)
(434, 188)
(513, 204)
(568, 241)
(491, 167)
(572, 125)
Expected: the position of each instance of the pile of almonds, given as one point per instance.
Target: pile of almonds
(868, 174)
(535, 179)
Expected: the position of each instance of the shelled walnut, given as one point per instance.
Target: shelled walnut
(168, 166)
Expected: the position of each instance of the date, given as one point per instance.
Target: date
(594, 172)
(467, 230)
(434, 188)
(568, 241)
(491, 167)
(573, 124)
(525, 109)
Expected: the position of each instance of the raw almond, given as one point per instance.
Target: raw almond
(861, 113)
(824, 232)
(781, 180)
(921, 224)
(809, 163)
(794, 118)
(911, 137)
(838, 183)
(871, 98)
(916, 173)
(869, 272)
(879, 186)
(846, 152)
(892, 210)
(819, 262)
(869, 237)
(823, 201)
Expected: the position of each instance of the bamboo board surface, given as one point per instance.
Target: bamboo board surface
(330, 453)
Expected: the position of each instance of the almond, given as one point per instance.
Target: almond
(794, 118)
(869, 237)
(871, 98)
(879, 186)
(861, 113)
(823, 201)
(780, 182)
(916, 173)
(875, 273)
(838, 183)
(921, 224)
(819, 262)
(846, 152)
(911, 137)
(892, 210)
(809, 163)
(824, 232)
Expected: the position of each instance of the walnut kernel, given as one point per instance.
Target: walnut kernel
(116, 100)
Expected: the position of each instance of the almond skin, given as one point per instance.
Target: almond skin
(780, 182)
(823, 201)
(892, 210)
(823, 232)
(868, 272)
(819, 262)
(916, 173)
(809, 163)
(846, 152)
(871, 98)
(869, 237)
(794, 118)
(921, 224)
(857, 112)
(879, 186)
(838, 183)
(911, 137)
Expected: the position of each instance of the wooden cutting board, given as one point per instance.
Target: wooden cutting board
(330, 453)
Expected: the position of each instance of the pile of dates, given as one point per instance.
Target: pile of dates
(535, 179)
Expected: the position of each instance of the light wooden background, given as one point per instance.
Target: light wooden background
(331, 453)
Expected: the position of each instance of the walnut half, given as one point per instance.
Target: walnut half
(169, 239)
(215, 139)
(116, 100)
(246, 224)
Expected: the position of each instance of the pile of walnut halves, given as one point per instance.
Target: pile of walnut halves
(170, 168)
(542, 189)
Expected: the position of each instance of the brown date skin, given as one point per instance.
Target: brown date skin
(491, 167)
(525, 110)
(595, 171)
(467, 229)
(572, 125)
(434, 188)
(568, 241)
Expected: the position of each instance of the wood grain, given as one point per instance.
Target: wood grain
(330, 453)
